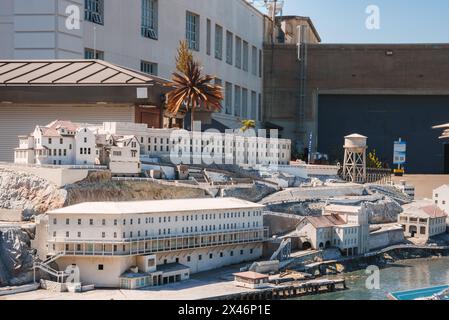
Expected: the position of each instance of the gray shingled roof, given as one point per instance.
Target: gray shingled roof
(69, 72)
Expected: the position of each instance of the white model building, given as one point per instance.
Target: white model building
(441, 197)
(234, 147)
(120, 145)
(137, 244)
(422, 220)
(342, 227)
(68, 143)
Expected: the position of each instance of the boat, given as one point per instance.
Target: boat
(430, 293)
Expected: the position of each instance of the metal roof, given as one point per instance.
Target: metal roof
(69, 72)
(157, 206)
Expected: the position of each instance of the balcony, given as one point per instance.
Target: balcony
(150, 245)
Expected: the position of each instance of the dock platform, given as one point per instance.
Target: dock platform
(290, 290)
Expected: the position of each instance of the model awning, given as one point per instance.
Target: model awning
(70, 72)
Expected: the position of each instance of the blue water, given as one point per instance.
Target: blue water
(401, 276)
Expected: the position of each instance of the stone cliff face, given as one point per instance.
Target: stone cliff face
(127, 191)
(28, 193)
(383, 211)
(16, 258)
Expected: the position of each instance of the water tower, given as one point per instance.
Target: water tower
(354, 166)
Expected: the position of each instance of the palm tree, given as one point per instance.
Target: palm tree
(248, 124)
(193, 91)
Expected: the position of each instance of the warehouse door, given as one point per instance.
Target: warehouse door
(446, 158)
(384, 119)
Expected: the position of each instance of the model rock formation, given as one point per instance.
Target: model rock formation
(16, 258)
(28, 194)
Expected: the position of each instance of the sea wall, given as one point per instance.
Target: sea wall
(385, 238)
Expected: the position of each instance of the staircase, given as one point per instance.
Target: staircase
(284, 250)
(45, 266)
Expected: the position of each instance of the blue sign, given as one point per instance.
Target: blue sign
(400, 152)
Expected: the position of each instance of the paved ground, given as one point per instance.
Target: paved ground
(424, 184)
(201, 286)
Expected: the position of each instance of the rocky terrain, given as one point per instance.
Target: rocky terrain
(16, 258)
(28, 193)
(31, 196)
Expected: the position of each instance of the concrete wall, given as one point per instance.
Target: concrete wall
(10, 215)
(382, 239)
(280, 224)
(58, 176)
(113, 268)
(347, 68)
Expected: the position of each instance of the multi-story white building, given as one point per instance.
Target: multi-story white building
(423, 220)
(343, 227)
(119, 145)
(226, 36)
(157, 242)
(68, 143)
(237, 148)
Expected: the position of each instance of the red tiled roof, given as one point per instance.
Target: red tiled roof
(251, 275)
(68, 125)
(49, 132)
(326, 221)
(434, 212)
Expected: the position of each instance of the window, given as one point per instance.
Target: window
(228, 98)
(91, 222)
(193, 31)
(245, 60)
(100, 267)
(229, 47)
(148, 67)
(260, 63)
(94, 11)
(253, 114)
(90, 54)
(208, 37)
(238, 52)
(200, 257)
(259, 113)
(237, 101)
(218, 42)
(49, 140)
(149, 19)
(79, 222)
(67, 221)
(254, 61)
(244, 103)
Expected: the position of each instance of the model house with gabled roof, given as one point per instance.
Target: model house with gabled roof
(423, 220)
(64, 143)
(342, 227)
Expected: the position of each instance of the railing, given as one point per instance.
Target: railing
(44, 266)
(50, 166)
(158, 244)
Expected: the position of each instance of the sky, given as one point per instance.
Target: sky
(400, 21)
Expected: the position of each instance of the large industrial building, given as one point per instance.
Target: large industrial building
(383, 91)
(143, 35)
(283, 77)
